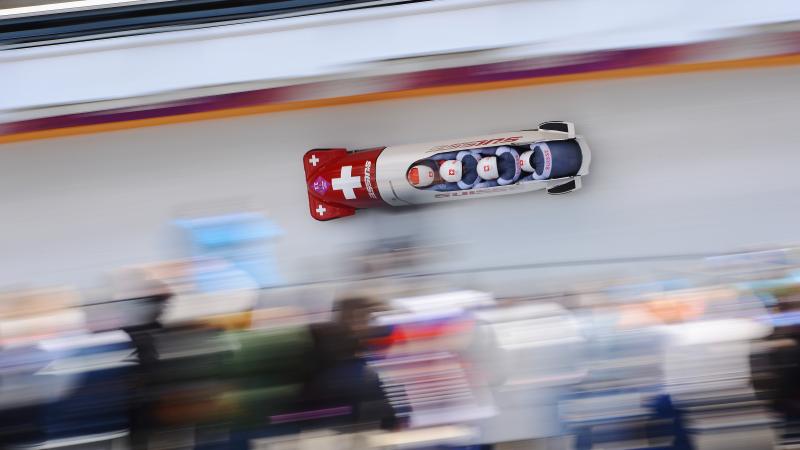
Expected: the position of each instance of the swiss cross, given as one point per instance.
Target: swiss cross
(347, 183)
(313, 160)
(321, 210)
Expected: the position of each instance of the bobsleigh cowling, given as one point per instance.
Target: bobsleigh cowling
(340, 182)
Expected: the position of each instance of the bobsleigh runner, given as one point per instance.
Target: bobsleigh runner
(551, 157)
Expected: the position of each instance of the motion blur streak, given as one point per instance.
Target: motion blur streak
(670, 363)
(670, 157)
(165, 287)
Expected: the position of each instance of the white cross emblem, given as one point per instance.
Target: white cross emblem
(321, 209)
(314, 160)
(347, 182)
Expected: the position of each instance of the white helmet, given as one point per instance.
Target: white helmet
(487, 168)
(451, 171)
(545, 161)
(421, 176)
(525, 161)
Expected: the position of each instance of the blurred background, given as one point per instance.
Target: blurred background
(162, 285)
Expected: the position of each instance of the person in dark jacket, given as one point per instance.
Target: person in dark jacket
(341, 377)
(143, 335)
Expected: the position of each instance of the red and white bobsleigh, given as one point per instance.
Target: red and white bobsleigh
(551, 157)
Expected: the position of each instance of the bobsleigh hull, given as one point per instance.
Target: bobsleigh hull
(339, 181)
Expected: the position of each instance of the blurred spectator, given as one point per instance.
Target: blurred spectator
(58, 382)
(341, 376)
(777, 370)
(143, 335)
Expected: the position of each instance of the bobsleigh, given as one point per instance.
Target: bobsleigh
(551, 157)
